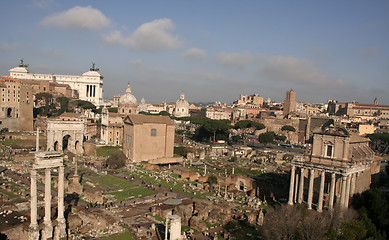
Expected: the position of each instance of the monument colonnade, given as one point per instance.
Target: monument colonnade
(47, 161)
(296, 187)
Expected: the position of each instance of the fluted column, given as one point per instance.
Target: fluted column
(343, 192)
(347, 194)
(310, 188)
(37, 140)
(48, 230)
(61, 210)
(353, 180)
(291, 190)
(296, 182)
(332, 192)
(33, 231)
(301, 187)
(321, 192)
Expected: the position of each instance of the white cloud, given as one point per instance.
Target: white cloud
(151, 36)
(234, 59)
(195, 54)
(295, 70)
(77, 18)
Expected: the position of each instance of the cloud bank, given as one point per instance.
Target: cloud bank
(195, 54)
(152, 36)
(77, 18)
(234, 59)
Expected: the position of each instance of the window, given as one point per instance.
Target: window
(329, 150)
(153, 132)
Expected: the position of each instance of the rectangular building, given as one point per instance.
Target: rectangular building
(148, 138)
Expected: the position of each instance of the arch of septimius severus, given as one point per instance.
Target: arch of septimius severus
(66, 134)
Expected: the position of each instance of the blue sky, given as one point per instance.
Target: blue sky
(210, 50)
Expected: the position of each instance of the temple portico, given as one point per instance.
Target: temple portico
(331, 184)
(340, 165)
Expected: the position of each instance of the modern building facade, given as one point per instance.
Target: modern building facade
(88, 86)
(111, 128)
(16, 105)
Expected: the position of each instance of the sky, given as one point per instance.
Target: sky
(210, 50)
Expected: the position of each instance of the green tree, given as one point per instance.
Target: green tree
(85, 104)
(48, 107)
(164, 113)
(212, 180)
(267, 137)
(353, 230)
(116, 160)
(248, 124)
(374, 204)
(212, 130)
(281, 138)
(288, 128)
(113, 109)
(64, 103)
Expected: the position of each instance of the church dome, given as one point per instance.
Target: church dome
(182, 102)
(128, 98)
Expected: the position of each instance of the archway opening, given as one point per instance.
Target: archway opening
(65, 142)
(9, 112)
(241, 186)
(56, 146)
(77, 146)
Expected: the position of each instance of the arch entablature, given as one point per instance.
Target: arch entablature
(65, 135)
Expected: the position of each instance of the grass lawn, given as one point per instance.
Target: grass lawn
(119, 187)
(14, 143)
(106, 151)
(176, 188)
(122, 236)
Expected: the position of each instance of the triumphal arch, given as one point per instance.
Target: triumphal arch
(66, 133)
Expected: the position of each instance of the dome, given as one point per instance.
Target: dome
(182, 102)
(127, 98)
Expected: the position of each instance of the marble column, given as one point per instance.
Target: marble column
(33, 231)
(296, 182)
(310, 188)
(321, 192)
(332, 192)
(166, 227)
(37, 140)
(291, 190)
(343, 193)
(48, 230)
(347, 194)
(352, 187)
(301, 186)
(61, 210)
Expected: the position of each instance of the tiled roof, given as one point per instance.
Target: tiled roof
(141, 119)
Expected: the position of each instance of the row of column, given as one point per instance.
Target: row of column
(296, 188)
(90, 90)
(48, 226)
